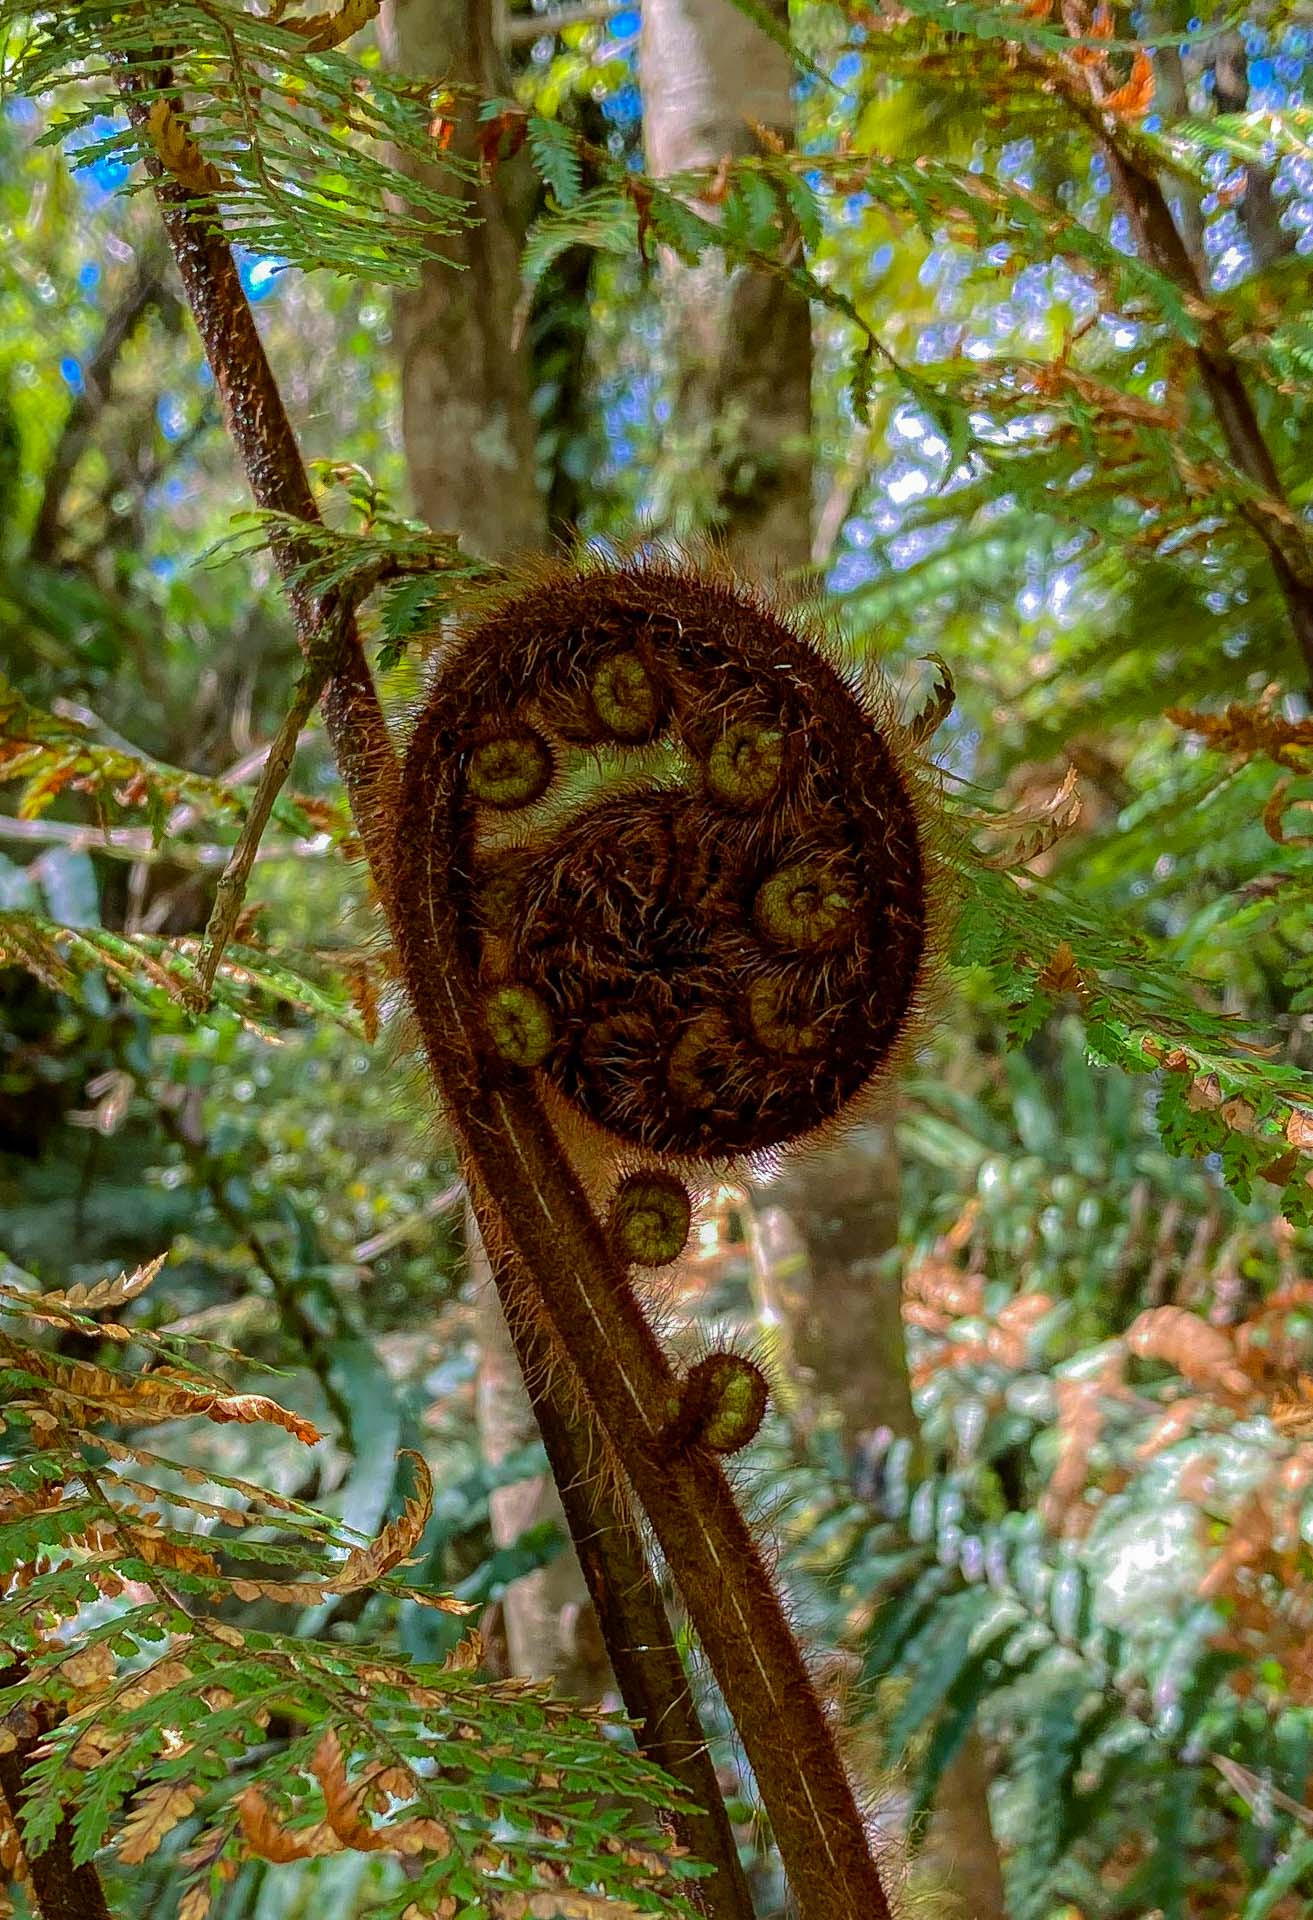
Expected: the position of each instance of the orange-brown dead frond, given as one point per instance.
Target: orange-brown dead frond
(942, 1287)
(1081, 1414)
(1133, 100)
(1250, 731)
(156, 1813)
(1292, 1413)
(320, 31)
(1201, 1354)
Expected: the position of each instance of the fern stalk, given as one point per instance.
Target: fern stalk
(697, 971)
(631, 1614)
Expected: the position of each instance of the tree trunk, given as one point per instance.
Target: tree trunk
(843, 1306)
(469, 442)
(709, 77)
(1261, 214)
(464, 387)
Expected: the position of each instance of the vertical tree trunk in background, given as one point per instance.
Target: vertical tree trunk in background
(551, 1628)
(1259, 211)
(470, 451)
(464, 389)
(709, 78)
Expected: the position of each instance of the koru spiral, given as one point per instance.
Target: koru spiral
(682, 857)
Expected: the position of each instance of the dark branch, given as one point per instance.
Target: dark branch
(61, 1890)
(1273, 520)
(145, 292)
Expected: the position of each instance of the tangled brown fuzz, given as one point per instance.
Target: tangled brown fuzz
(719, 956)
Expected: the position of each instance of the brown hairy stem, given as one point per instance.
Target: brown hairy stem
(637, 1632)
(61, 1890)
(271, 457)
(629, 1608)
(698, 970)
(544, 1216)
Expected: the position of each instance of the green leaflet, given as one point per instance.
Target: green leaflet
(156, 973)
(299, 140)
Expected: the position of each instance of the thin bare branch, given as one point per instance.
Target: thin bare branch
(138, 843)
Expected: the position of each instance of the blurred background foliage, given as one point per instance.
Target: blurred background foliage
(1095, 1549)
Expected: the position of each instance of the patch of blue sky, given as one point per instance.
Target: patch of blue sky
(850, 571)
(1072, 287)
(171, 416)
(1063, 585)
(624, 106)
(1123, 334)
(1298, 217)
(905, 482)
(908, 549)
(1032, 288)
(89, 277)
(100, 179)
(1216, 168)
(260, 274)
(1223, 232)
(630, 407)
(71, 373)
(912, 428)
(936, 343)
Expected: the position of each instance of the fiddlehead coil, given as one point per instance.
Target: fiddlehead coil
(719, 956)
(659, 867)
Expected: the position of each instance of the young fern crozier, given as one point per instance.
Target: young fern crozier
(715, 951)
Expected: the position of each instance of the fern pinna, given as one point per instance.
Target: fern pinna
(714, 957)
(148, 1695)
